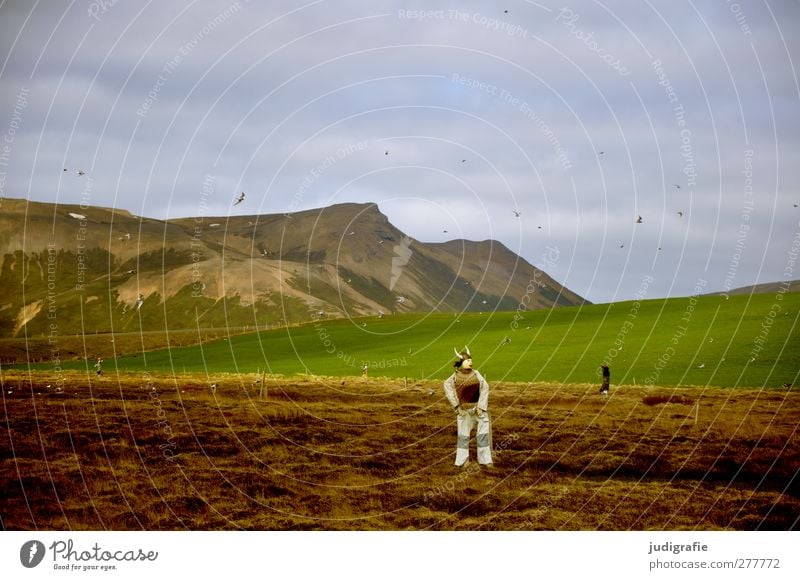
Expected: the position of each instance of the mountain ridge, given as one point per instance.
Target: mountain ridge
(111, 270)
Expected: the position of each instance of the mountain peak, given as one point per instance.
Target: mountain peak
(345, 259)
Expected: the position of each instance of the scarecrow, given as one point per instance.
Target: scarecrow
(468, 393)
(606, 379)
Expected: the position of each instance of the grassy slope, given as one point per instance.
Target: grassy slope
(559, 345)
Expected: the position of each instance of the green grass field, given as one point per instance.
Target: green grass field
(707, 340)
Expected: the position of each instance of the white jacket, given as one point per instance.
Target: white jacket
(452, 396)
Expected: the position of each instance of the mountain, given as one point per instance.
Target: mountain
(69, 269)
(764, 288)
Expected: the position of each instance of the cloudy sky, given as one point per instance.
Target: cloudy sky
(580, 115)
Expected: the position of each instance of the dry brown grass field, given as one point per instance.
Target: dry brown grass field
(141, 452)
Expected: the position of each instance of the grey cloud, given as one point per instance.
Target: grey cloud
(156, 98)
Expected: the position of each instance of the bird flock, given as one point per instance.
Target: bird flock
(240, 198)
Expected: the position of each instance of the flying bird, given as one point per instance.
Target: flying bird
(386, 152)
(239, 199)
(516, 213)
(131, 272)
(139, 302)
(65, 169)
(639, 220)
(81, 172)
(676, 186)
(680, 213)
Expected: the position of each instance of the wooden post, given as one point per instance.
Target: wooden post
(696, 412)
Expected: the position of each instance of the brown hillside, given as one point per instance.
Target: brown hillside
(343, 260)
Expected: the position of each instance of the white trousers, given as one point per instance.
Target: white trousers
(483, 435)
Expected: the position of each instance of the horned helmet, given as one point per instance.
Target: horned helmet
(462, 356)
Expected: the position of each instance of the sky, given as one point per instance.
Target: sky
(580, 116)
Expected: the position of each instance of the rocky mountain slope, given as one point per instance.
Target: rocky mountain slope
(69, 269)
